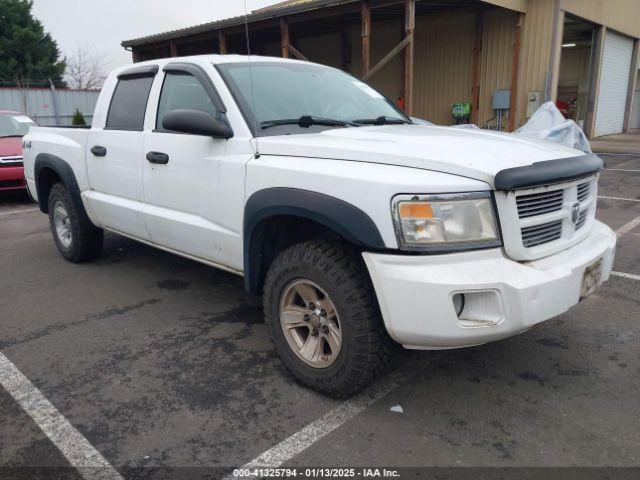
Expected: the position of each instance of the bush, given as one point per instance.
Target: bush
(78, 119)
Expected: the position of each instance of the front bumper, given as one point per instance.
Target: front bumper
(12, 178)
(416, 292)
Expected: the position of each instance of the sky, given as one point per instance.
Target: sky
(100, 26)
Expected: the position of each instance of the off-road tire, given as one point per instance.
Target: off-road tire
(86, 238)
(340, 271)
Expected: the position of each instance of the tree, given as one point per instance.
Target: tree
(26, 50)
(23, 90)
(78, 119)
(85, 70)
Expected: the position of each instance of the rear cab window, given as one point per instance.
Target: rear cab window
(129, 100)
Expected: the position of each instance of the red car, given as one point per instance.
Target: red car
(13, 126)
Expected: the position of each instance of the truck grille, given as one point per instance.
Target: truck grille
(583, 191)
(15, 161)
(582, 219)
(545, 233)
(547, 219)
(11, 183)
(540, 203)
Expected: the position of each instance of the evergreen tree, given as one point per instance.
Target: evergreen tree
(78, 119)
(28, 54)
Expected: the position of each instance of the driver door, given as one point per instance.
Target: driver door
(182, 174)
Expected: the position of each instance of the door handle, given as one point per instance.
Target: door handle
(158, 158)
(99, 151)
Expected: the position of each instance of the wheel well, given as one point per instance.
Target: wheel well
(47, 178)
(275, 234)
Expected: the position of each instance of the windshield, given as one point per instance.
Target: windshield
(14, 125)
(285, 92)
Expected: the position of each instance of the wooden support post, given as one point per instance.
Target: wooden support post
(388, 57)
(284, 37)
(515, 71)
(136, 55)
(476, 68)
(296, 53)
(366, 39)
(345, 49)
(597, 48)
(633, 75)
(287, 48)
(222, 43)
(556, 53)
(410, 27)
(173, 47)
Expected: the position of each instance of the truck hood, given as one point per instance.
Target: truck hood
(10, 146)
(477, 154)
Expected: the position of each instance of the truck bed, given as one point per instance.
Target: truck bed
(68, 143)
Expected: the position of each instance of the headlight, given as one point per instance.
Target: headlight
(446, 222)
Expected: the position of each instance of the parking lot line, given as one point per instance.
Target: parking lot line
(303, 439)
(621, 170)
(626, 228)
(620, 154)
(630, 276)
(13, 212)
(618, 198)
(72, 444)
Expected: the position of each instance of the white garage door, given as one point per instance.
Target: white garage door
(614, 81)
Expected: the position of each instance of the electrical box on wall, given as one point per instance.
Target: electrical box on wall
(533, 103)
(502, 99)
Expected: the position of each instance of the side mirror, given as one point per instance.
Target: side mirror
(196, 122)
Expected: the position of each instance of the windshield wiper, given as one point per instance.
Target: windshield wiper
(306, 121)
(383, 120)
(15, 135)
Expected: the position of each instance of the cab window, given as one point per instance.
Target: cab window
(129, 104)
(181, 90)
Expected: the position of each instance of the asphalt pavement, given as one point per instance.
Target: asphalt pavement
(158, 361)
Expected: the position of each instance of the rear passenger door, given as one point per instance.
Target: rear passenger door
(114, 156)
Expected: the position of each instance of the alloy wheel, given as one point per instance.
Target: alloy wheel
(310, 323)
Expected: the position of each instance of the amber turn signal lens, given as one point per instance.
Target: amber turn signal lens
(415, 210)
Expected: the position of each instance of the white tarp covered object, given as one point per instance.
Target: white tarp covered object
(546, 124)
(549, 124)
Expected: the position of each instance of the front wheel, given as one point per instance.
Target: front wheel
(77, 239)
(324, 318)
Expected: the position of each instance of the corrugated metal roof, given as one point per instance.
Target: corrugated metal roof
(280, 5)
(293, 6)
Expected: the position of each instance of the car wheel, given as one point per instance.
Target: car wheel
(324, 318)
(77, 239)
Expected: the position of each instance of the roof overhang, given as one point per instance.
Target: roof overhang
(516, 5)
(301, 7)
(236, 21)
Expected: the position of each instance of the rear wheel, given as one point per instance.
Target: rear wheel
(324, 318)
(78, 240)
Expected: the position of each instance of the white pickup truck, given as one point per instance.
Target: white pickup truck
(360, 228)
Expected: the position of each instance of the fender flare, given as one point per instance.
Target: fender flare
(345, 219)
(65, 172)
